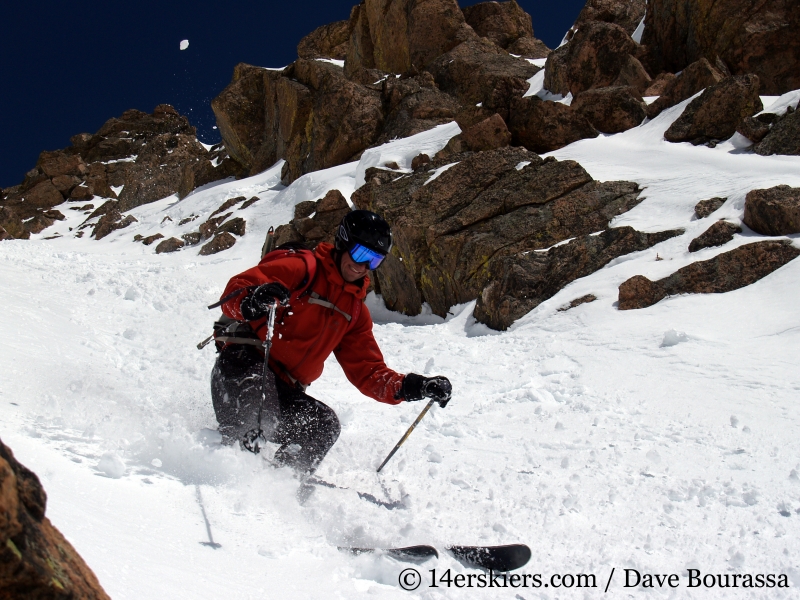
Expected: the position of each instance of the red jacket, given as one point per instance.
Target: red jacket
(306, 333)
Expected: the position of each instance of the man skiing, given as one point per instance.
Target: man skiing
(319, 302)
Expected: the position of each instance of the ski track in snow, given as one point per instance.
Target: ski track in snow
(581, 433)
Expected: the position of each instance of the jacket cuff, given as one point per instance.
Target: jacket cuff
(411, 389)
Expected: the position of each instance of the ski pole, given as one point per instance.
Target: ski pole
(267, 347)
(408, 433)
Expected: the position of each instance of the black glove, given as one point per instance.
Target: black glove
(260, 300)
(417, 387)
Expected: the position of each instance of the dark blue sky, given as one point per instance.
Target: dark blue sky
(67, 67)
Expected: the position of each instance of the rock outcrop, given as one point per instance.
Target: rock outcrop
(222, 241)
(717, 112)
(508, 26)
(724, 273)
(546, 126)
(401, 35)
(578, 301)
(110, 222)
(170, 245)
(489, 134)
(783, 137)
(214, 167)
(36, 561)
(477, 71)
(611, 109)
(329, 41)
(705, 207)
(455, 217)
(773, 211)
(321, 227)
(593, 58)
(625, 13)
(756, 128)
(719, 234)
(658, 86)
(309, 114)
(521, 282)
(412, 105)
(693, 79)
(633, 74)
(144, 157)
(529, 47)
(240, 111)
(501, 22)
(749, 37)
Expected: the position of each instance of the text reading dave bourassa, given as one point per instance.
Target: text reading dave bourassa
(411, 579)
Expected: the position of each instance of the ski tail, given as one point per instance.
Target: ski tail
(495, 558)
(412, 554)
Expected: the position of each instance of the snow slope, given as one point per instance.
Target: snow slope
(660, 440)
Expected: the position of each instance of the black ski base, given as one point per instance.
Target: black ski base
(494, 558)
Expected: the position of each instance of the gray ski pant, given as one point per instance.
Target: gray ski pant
(304, 427)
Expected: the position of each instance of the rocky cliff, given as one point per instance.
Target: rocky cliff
(36, 561)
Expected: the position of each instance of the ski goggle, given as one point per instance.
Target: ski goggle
(362, 254)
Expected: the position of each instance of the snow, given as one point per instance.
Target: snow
(639, 31)
(536, 84)
(536, 88)
(404, 150)
(779, 105)
(659, 439)
(333, 61)
(437, 172)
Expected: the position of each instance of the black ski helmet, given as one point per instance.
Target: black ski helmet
(365, 228)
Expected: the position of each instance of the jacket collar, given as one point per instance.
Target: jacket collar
(324, 252)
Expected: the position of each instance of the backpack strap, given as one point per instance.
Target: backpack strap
(317, 299)
(305, 254)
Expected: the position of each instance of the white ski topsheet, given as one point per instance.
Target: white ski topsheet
(659, 439)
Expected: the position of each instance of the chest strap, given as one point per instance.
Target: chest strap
(315, 298)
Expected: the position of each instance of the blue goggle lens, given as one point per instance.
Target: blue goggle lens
(362, 254)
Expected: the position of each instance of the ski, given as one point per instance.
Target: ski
(494, 558)
(412, 554)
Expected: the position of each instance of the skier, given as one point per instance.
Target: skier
(319, 302)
